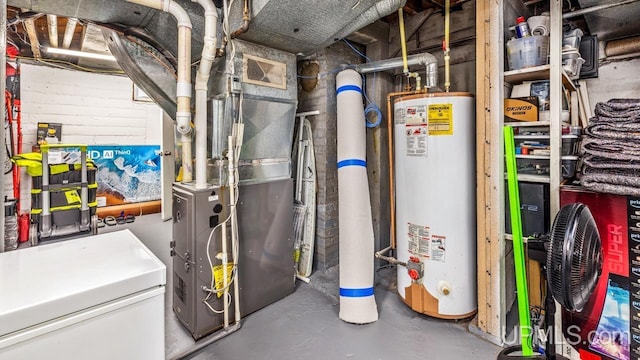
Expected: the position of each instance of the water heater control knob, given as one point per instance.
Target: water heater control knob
(413, 274)
(415, 268)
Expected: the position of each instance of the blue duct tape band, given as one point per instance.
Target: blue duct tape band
(348, 88)
(356, 292)
(351, 162)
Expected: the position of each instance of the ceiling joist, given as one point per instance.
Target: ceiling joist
(29, 24)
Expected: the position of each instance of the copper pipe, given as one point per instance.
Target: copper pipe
(392, 192)
(246, 19)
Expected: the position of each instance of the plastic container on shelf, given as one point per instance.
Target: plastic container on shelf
(569, 166)
(571, 39)
(569, 144)
(572, 62)
(528, 51)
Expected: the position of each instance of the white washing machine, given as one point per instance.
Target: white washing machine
(97, 297)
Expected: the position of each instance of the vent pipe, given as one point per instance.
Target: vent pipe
(183, 89)
(202, 81)
(428, 60)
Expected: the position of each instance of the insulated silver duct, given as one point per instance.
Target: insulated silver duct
(375, 12)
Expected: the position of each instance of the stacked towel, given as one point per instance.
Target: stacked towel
(611, 148)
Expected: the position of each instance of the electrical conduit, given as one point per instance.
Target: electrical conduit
(357, 301)
(201, 86)
(403, 42)
(183, 89)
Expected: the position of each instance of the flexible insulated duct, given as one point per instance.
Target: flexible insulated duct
(375, 12)
(357, 302)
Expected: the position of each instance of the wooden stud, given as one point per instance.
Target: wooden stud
(29, 24)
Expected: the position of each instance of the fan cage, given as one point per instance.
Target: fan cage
(574, 260)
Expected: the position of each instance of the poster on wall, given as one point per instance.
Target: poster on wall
(126, 173)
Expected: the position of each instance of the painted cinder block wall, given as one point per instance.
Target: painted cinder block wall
(92, 108)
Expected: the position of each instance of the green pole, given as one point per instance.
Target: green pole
(518, 243)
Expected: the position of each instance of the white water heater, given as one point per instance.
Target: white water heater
(436, 203)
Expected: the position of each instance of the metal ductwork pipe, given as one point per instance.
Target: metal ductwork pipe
(426, 59)
(375, 12)
(183, 89)
(202, 80)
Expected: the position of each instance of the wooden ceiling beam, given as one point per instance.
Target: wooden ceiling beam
(30, 25)
(68, 32)
(52, 22)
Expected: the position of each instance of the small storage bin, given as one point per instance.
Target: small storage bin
(569, 144)
(572, 62)
(527, 52)
(571, 39)
(569, 165)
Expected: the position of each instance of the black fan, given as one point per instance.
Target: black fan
(571, 259)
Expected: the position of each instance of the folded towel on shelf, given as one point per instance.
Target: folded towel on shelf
(614, 182)
(618, 108)
(613, 150)
(614, 130)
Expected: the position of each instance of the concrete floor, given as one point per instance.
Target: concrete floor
(305, 325)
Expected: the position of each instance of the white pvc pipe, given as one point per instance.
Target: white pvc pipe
(202, 80)
(183, 88)
(357, 302)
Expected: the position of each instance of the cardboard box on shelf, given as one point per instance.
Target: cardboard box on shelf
(49, 133)
(521, 109)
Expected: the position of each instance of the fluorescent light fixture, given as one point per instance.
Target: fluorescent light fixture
(52, 50)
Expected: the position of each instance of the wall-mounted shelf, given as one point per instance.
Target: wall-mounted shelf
(531, 137)
(538, 157)
(534, 178)
(543, 179)
(536, 73)
(510, 238)
(527, 123)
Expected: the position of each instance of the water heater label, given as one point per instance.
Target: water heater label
(399, 115)
(417, 139)
(441, 119)
(419, 240)
(438, 248)
(415, 115)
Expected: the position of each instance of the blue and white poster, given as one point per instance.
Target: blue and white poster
(126, 173)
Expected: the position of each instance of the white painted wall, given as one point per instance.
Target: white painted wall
(94, 109)
(615, 80)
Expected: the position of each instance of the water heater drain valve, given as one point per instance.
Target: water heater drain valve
(415, 268)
